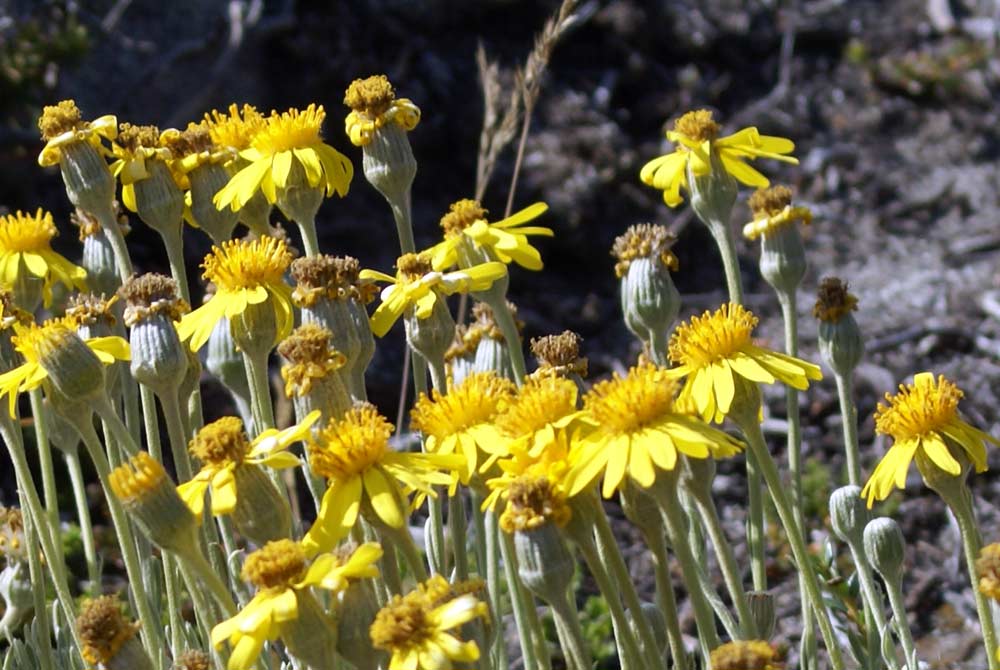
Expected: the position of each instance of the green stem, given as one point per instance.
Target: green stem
(109, 223)
(505, 319)
(849, 412)
(571, 636)
(176, 434)
(725, 239)
(727, 562)
(173, 605)
(309, 238)
(196, 562)
(607, 547)
(133, 566)
(37, 575)
(411, 554)
(402, 214)
(439, 377)
(666, 600)
(529, 628)
(874, 613)
(175, 257)
(755, 524)
(457, 524)
(492, 533)
(12, 437)
(45, 464)
(902, 626)
(665, 493)
(628, 645)
(119, 432)
(83, 514)
(959, 499)
(755, 440)
(260, 393)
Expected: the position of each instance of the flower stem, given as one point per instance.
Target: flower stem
(755, 524)
(37, 575)
(895, 593)
(457, 524)
(874, 613)
(505, 319)
(170, 404)
(491, 531)
(83, 514)
(309, 238)
(849, 412)
(45, 463)
(725, 239)
(260, 393)
(119, 432)
(521, 603)
(174, 243)
(755, 439)
(571, 636)
(402, 214)
(666, 600)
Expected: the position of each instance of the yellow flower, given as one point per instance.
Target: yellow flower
(374, 104)
(417, 285)
(134, 146)
(223, 446)
(353, 454)
(414, 627)
(283, 576)
(924, 423)
(534, 483)
(245, 272)
(988, 571)
(746, 655)
(62, 124)
(103, 630)
(639, 428)
(284, 139)
(465, 226)
(25, 246)
(461, 420)
(716, 354)
(235, 129)
(696, 136)
(772, 210)
(45, 346)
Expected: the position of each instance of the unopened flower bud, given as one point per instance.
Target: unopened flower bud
(657, 623)
(885, 548)
(840, 340)
(358, 608)
(108, 638)
(544, 564)
(492, 351)
(159, 360)
(762, 612)
(849, 514)
(650, 301)
(225, 363)
(782, 257)
(150, 497)
(261, 513)
(98, 257)
(73, 368)
(430, 337)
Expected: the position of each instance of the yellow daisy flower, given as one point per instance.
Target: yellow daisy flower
(134, 146)
(716, 354)
(353, 454)
(223, 447)
(924, 423)
(50, 347)
(283, 576)
(25, 247)
(460, 420)
(772, 210)
(746, 655)
(374, 104)
(417, 285)
(415, 628)
(62, 124)
(696, 136)
(234, 129)
(245, 272)
(469, 238)
(639, 428)
(285, 143)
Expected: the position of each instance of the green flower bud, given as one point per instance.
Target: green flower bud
(762, 612)
(650, 301)
(312, 636)
(849, 514)
(657, 622)
(840, 340)
(430, 337)
(159, 203)
(885, 548)
(261, 514)
(225, 363)
(98, 257)
(544, 563)
(358, 608)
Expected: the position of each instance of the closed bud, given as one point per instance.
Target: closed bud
(544, 564)
(431, 337)
(885, 548)
(225, 363)
(357, 611)
(657, 622)
(840, 341)
(762, 612)
(261, 514)
(73, 368)
(849, 514)
(98, 257)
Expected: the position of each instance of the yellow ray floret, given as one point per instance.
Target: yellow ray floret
(245, 272)
(716, 353)
(417, 285)
(374, 105)
(353, 454)
(25, 247)
(924, 423)
(639, 430)
(282, 574)
(286, 143)
(62, 125)
(696, 137)
(506, 240)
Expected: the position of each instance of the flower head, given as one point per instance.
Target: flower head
(62, 124)
(25, 247)
(103, 629)
(415, 627)
(639, 429)
(353, 454)
(988, 570)
(715, 352)
(133, 148)
(373, 105)
(418, 286)
(833, 300)
(696, 136)
(284, 144)
(644, 240)
(559, 355)
(529, 420)
(53, 348)
(924, 423)
(311, 358)
(234, 129)
(772, 210)
(223, 446)
(461, 420)
(245, 272)
(746, 655)
(466, 232)
(283, 575)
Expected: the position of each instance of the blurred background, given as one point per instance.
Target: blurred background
(892, 105)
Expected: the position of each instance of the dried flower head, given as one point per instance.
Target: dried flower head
(833, 301)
